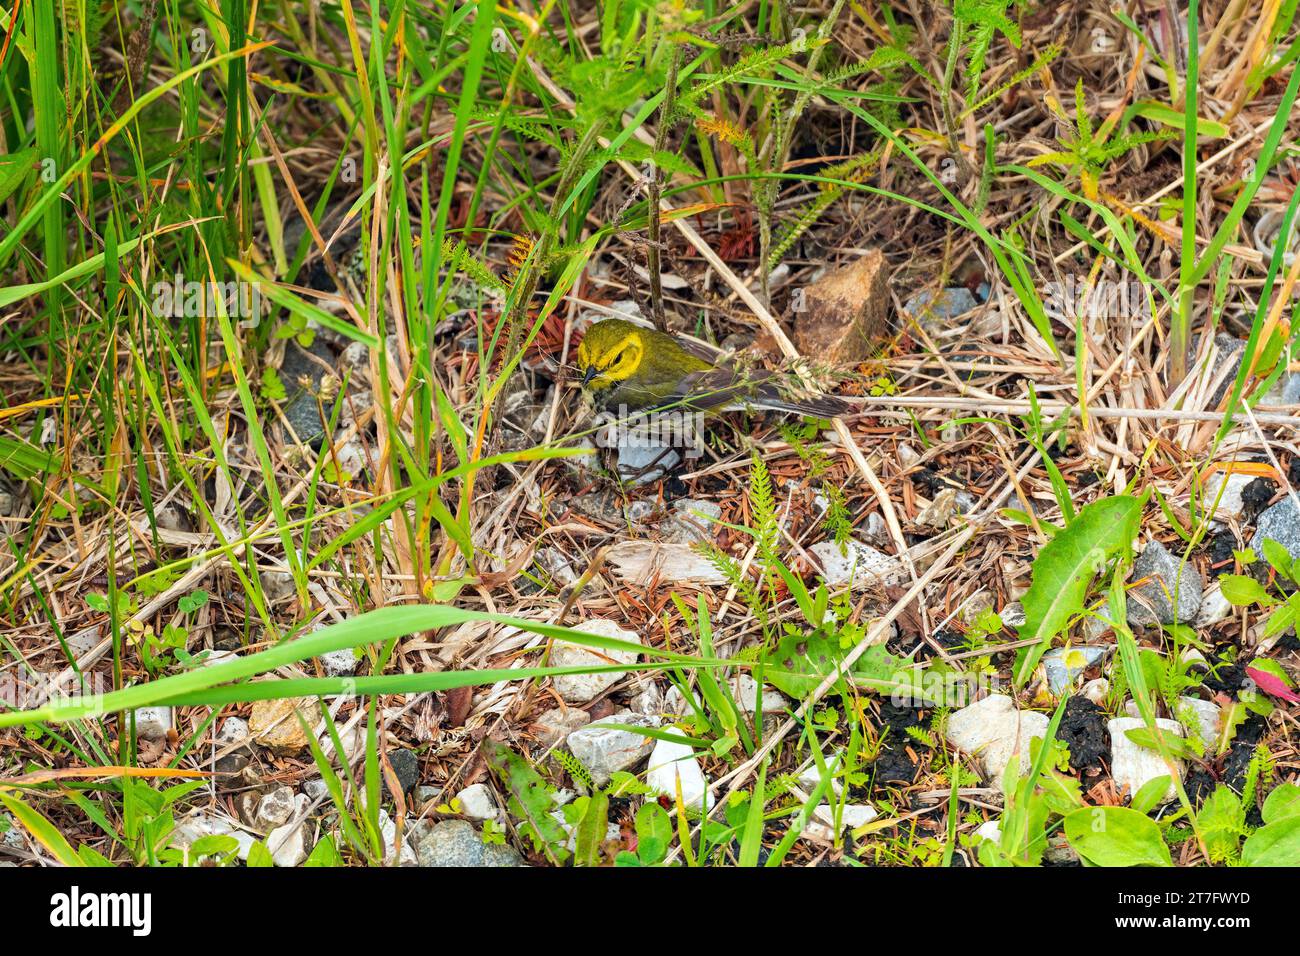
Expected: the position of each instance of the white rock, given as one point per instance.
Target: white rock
(670, 762)
(1096, 690)
(995, 730)
(821, 826)
(649, 702)
(1214, 607)
(233, 730)
(858, 565)
(1230, 505)
(219, 657)
(477, 802)
(810, 776)
(588, 460)
(274, 809)
(1132, 767)
(605, 749)
(199, 824)
(581, 688)
(1205, 717)
(152, 723)
(341, 663)
(744, 691)
(287, 844)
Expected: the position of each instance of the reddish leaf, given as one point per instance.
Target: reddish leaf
(1272, 685)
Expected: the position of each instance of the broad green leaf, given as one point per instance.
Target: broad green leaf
(1283, 802)
(1065, 568)
(1116, 836)
(324, 853)
(590, 832)
(1241, 590)
(259, 855)
(1278, 557)
(654, 831)
(800, 661)
(1151, 794)
(1277, 844)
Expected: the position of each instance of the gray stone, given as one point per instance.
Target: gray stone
(457, 843)
(1173, 591)
(553, 726)
(340, 663)
(934, 311)
(315, 789)
(302, 377)
(1063, 664)
(642, 461)
(274, 809)
(603, 749)
(1285, 391)
(152, 723)
(406, 766)
(1280, 523)
(692, 521)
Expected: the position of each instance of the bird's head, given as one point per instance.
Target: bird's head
(609, 353)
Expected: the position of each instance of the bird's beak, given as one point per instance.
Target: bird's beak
(588, 375)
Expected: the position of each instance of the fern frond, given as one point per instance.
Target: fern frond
(457, 257)
(854, 170)
(767, 527)
(757, 61)
(573, 766)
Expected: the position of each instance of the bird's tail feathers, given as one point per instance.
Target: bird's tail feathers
(814, 406)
